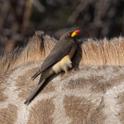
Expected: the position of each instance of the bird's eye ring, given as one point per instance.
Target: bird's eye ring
(75, 33)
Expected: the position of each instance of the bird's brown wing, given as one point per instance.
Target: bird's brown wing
(57, 53)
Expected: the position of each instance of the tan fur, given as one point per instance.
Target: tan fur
(34, 51)
(8, 115)
(102, 52)
(47, 108)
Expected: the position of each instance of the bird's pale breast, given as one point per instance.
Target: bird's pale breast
(63, 64)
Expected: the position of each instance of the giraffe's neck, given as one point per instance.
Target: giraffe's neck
(93, 93)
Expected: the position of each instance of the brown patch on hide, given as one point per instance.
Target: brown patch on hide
(3, 78)
(96, 115)
(2, 97)
(82, 82)
(115, 78)
(25, 84)
(105, 85)
(42, 112)
(82, 111)
(121, 106)
(121, 98)
(8, 115)
(96, 80)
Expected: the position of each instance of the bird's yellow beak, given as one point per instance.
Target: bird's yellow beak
(75, 33)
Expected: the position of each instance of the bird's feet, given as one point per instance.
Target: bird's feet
(64, 75)
(75, 70)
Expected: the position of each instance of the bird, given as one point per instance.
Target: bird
(59, 59)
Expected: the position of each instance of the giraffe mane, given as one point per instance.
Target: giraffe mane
(103, 52)
(34, 51)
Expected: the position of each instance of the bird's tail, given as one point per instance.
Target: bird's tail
(39, 86)
(36, 74)
(34, 93)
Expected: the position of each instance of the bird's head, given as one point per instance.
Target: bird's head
(75, 33)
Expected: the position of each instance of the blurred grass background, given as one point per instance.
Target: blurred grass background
(97, 18)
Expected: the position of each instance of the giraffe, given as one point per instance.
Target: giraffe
(94, 94)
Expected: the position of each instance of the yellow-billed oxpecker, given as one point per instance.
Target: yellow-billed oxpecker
(59, 59)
